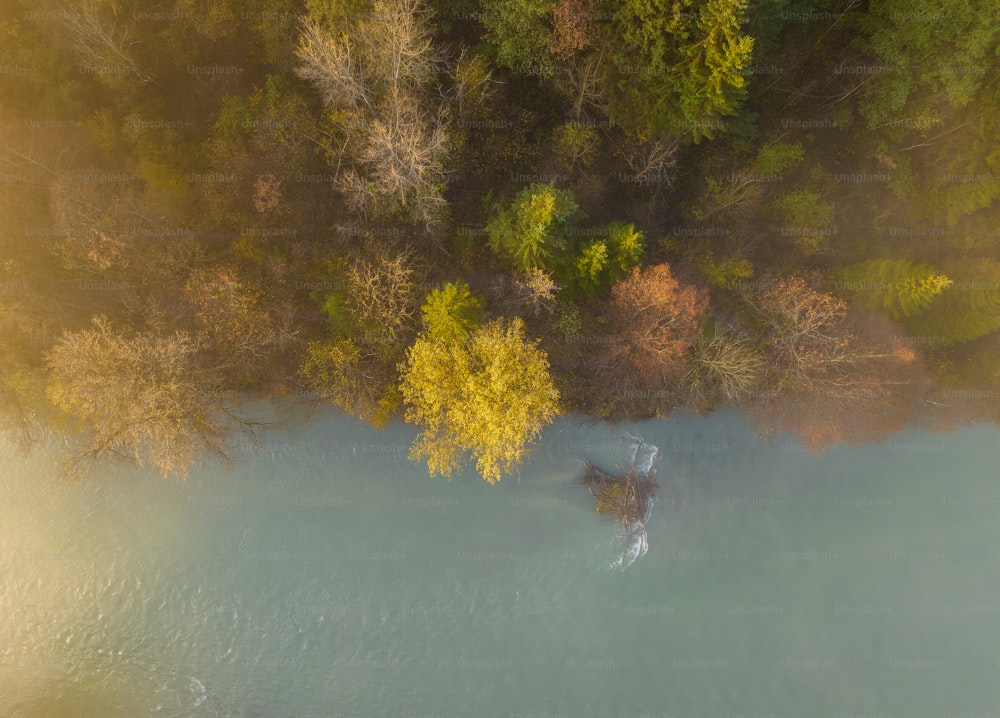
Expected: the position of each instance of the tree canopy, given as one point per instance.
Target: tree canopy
(486, 398)
(678, 65)
(898, 286)
(645, 204)
(138, 395)
(532, 230)
(927, 48)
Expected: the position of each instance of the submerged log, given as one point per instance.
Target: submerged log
(626, 497)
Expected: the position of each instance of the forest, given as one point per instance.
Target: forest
(477, 215)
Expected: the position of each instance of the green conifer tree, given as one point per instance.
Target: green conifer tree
(967, 310)
(899, 286)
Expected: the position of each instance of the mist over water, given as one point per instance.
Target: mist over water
(329, 576)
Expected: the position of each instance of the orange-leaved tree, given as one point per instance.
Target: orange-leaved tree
(658, 319)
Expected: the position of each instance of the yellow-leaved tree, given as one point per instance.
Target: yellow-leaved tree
(487, 395)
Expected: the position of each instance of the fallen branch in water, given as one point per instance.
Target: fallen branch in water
(627, 497)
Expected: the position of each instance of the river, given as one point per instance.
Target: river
(328, 576)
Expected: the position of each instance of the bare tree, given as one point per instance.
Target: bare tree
(377, 78)
(142, 396)
(30, 152)
(94, 218)
(834, 377)
(401, 155)
(583, 81)
(330, 64)
(106, 224)
(725, 366)
(383, 294)
(809, 344)
(474, 84)
(536, 290)
(243, 327)
(103, 47)
(648, 161)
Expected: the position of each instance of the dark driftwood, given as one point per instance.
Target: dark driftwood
(625, 496)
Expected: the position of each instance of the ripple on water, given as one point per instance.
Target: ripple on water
(145, 602)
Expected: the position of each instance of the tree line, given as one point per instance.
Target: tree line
(474, 216)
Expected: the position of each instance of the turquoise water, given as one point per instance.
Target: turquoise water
(328, 576)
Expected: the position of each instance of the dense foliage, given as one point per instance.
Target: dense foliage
(471, 215)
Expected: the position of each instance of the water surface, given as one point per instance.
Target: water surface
(329, 576)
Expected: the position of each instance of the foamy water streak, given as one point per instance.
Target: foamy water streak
(644, 457)
(633, 540)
